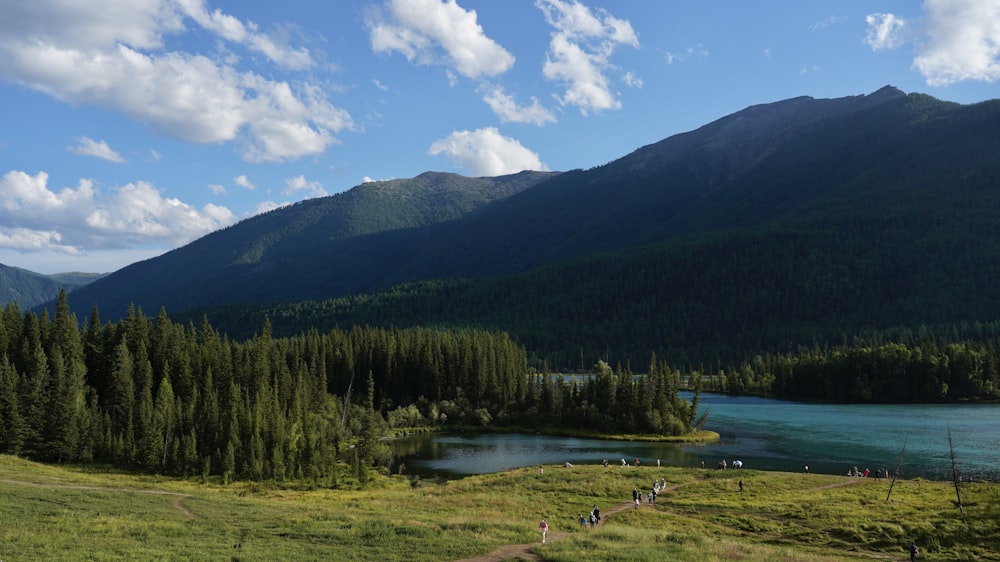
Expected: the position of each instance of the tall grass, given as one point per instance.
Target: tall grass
(58, 513)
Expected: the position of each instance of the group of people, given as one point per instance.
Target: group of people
(651, 495)
(880, 472)
(723, 465)
(635, 460)
(593, 520)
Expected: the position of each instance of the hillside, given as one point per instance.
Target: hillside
(27, 288)
(798, 223)
(342, 244)
(882, 220)
(700, 516)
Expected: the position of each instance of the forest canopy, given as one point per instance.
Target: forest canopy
(149, 394)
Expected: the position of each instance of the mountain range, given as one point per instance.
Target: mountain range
(789, 224)
(27, 289)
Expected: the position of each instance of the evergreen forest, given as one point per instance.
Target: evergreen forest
(152, 395)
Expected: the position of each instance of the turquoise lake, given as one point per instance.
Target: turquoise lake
(763, 433)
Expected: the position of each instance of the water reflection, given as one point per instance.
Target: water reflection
(765, 434)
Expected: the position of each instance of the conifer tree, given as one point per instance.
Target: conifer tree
(11, 424)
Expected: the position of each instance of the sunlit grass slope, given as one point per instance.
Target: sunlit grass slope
(55, 513)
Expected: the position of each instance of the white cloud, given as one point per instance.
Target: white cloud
(268, 206)
(580, 51)
(82, 219)
(232, 29)
(217, 189)
(112, 56)
(827, 22)
(97, 25)
(698, 51)
(100, 149)
(504, 106)
(299, 185)
(884, 31)
(963, 42)
(242, 181)
(422, 29)
(632, 80)
(485, 152)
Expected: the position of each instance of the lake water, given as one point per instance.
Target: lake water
(765, 434)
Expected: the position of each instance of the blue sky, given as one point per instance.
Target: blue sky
(131, 127)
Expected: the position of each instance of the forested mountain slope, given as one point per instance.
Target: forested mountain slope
(377, 235)
(27, 288)
(797, 223)
(335, 245)
(881, 221)
(645, 197)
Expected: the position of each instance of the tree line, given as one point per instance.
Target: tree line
(905, 371)
(145, 393)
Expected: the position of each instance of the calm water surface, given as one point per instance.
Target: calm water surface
(763, 433)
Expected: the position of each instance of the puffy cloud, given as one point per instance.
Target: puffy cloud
(232, 29)
(268, 206)
(100, 149)
(884, 31)
(77, 220)
(580, 52)
(29, 240)
(300, 185)
(418, 28)
(111, 55)
(97, 25)
(504, 106)
(242, 181)
(485, 152)
(963, 42)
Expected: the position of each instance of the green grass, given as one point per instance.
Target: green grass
(60, 513)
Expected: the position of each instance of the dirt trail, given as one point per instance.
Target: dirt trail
(850, 480)
(175, 503)
(523, 551)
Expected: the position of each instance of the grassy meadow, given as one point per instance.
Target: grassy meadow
(77, 513)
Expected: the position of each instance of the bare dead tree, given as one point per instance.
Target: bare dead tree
(895, 475)
(955, 477)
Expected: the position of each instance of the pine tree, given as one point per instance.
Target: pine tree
(11, 424)
(121, 402)
(163, 418)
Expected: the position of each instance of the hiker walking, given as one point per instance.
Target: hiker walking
(543, 526)
(913, 551)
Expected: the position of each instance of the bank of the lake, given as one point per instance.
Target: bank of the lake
(763, 433)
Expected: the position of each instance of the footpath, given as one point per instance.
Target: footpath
(523, 551)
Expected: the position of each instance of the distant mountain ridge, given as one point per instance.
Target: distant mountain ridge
(340, 244)
(781, 225)
(28, 289)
